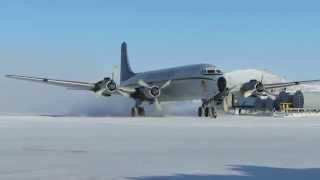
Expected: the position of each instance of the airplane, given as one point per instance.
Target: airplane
(248, 95)
(203, 82)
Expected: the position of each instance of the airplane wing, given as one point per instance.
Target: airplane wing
(287, 84)
(72, 85)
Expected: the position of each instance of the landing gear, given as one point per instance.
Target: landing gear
(214, 113)
(201, 111)
(207, 112)
(207, 109)
(137, 111)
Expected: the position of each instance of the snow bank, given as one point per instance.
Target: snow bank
(241, 76)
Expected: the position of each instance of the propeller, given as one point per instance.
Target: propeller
(114, 74)
(144, 84)
(111, 85)
(249, 93)
(255, 87)
(125, 91)
(155, 91)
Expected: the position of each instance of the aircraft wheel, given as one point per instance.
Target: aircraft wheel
(134, 112)
(207, 112)
(137, 111)
(210, 112)
(201, 112)
(213, 113)
(141, 111)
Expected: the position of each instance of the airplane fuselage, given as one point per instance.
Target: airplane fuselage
(188, 82)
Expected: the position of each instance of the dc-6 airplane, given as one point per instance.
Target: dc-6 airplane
(193, 82)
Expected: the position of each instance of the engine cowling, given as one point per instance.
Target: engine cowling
(111, 86)
(253, 86)
(155, 91)
(259, 87)
(249, 86)
(152, 92)
(222, 84)
(106, 87)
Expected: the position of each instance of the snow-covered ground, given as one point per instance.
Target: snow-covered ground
(230, 147)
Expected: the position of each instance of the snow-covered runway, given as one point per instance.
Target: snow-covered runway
(67, 148)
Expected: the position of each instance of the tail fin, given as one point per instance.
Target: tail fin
(126, 72)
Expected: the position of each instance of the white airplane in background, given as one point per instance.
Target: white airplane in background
(193, 82)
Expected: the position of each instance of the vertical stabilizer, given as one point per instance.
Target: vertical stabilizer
(126, 71)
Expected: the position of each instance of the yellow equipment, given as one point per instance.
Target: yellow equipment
(285, 106)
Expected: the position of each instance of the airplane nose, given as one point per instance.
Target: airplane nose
(222, 84)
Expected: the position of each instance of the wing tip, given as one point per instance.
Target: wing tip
(12, 76)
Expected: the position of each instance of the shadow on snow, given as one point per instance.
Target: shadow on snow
(247, 173)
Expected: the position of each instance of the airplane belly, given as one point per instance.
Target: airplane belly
(191, 89)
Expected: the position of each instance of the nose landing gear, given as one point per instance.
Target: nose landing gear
(207, 110)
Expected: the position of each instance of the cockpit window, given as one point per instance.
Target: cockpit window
(211, 71)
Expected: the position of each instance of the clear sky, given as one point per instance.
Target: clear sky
(80, 40)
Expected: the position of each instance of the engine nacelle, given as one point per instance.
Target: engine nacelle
(152, 93)
(248, 86)
(106, 87)
(111, 86)
(252, 85)
(222, 84)
(259, 87)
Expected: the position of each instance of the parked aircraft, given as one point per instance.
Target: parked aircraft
(193, 82)
(258, 96)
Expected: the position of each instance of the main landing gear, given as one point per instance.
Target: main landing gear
(207, 110)
(138, 110)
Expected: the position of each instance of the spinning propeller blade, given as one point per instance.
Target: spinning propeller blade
(156, 99)
(144, 84)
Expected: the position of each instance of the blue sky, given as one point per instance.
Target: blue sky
(80, 40)
(57, 35)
